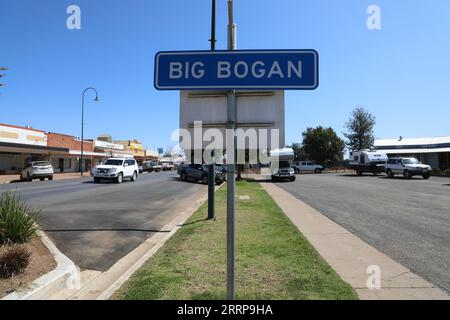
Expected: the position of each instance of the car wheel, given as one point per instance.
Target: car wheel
(426, 176)
(50, 178)
(317, 171)
(359, 173)
(389, 173)
(183, 176)
(205, 179)
(407, 174)
(41, 179)
(292, 179)
(29, 177)
(134, 177)
(274, 179)
(97, 180)
(119, 178)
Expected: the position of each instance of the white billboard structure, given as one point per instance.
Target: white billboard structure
(260, 123)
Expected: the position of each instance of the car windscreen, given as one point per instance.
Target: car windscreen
(411, 161)
(285, 164)
(113, 162)
(41, 164)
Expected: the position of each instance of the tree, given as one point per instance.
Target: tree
(299, 152)
(360, 130)
(322, 145)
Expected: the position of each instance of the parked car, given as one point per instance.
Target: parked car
(199, 172)
(307, 166)
(408, 167)
(168, 166)
(367, 161)
(116, 169)
(151, 166)
(141, 168)
(37, 170)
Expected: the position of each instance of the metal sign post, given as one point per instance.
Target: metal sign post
(211, 167)
(231, 166)
(233, 70)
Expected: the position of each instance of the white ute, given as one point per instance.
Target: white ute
(408, 167)
(116, 169)
(308, 166)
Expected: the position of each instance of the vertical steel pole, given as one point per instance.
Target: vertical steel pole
(211, 167)
(82, 132)
(231, 183)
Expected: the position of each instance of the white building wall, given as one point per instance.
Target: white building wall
(22, 136)
(266, 109)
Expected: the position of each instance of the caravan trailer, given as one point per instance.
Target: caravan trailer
(367, 161)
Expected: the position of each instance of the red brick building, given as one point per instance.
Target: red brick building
(69, 162)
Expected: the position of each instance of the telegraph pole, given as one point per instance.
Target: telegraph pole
(231, 166)
(211, 167)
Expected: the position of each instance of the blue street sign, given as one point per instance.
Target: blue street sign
(237, 70)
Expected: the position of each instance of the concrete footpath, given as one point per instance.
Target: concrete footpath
(12, 178)
(356, 262)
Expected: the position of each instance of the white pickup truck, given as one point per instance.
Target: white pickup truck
(307, 166)
(408, 167)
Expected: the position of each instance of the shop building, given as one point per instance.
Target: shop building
(21, 145)
(70, 161)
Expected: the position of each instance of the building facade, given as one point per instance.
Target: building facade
(21, 145)
(70, 161)
(432, 151)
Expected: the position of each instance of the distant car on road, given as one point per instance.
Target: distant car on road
(151, 166)
(141, 168)
(168, 166)
(408, 167)
(116, 169)
(307, 166)
(199, 172)
(37, 170)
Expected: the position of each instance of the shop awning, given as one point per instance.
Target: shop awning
(8, 147)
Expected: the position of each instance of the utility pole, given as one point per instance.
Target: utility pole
(231, 166)
(211, 167)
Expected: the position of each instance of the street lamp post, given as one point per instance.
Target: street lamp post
(82, 124)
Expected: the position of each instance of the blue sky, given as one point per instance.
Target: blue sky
(399, 73)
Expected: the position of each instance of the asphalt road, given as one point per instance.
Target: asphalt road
(97, 224)
(409, 220)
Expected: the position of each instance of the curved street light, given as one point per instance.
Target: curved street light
(82, 123)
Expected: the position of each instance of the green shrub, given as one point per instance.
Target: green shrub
(436, 172)
(14, 261)
(447, 172)
(18, 222)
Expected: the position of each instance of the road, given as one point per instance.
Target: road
(97, 224)
(409, 220)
